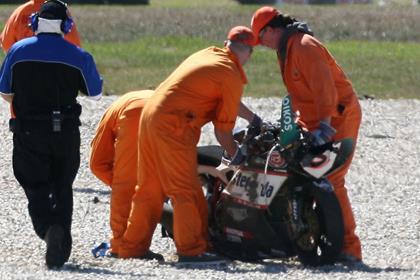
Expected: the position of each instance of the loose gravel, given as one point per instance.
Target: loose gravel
(383, 185)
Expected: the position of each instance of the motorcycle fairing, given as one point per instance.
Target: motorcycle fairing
(330, 160)
(318, 165)
(246, 239)
(238, 214)
(253, 188)
(231, 233)
(276, 161)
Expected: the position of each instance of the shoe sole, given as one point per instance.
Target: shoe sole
(201, 264)
(55, 256)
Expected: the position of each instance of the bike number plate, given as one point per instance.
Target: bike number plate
(254, 188)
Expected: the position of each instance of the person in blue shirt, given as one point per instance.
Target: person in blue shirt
(41, 77)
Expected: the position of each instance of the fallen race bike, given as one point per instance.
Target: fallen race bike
(278, 202)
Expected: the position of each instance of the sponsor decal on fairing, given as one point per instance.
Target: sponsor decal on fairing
(237, 214)
(238, 233)
(276, 160)
(254, 189)
(328, 159)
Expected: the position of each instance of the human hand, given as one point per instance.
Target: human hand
(214, 171)
(238, 157)
(323, 134)
(256, 121)
(254, 127)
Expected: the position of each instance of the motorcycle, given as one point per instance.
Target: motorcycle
(278, 202)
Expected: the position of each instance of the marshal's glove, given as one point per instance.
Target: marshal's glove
(254, 127)
(323, 134)
(238, 157)
(256, 121)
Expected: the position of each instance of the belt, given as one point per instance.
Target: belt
(17, 125)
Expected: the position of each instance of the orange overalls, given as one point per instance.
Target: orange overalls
(17, 26)
(113, 157)
(319, 89)
(207, 86)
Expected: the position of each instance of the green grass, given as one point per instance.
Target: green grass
(136, 47)
(379, 69)
(141, 64)
(193, 3)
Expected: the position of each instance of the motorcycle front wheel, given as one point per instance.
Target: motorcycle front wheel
(322, 242)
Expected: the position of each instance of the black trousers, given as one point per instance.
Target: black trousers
(45, 164)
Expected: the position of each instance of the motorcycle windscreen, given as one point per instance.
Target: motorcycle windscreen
(330, 160)
(253, 188)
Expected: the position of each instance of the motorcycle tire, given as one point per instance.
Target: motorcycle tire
(327, 240)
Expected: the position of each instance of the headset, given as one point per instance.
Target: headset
(66, 24)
